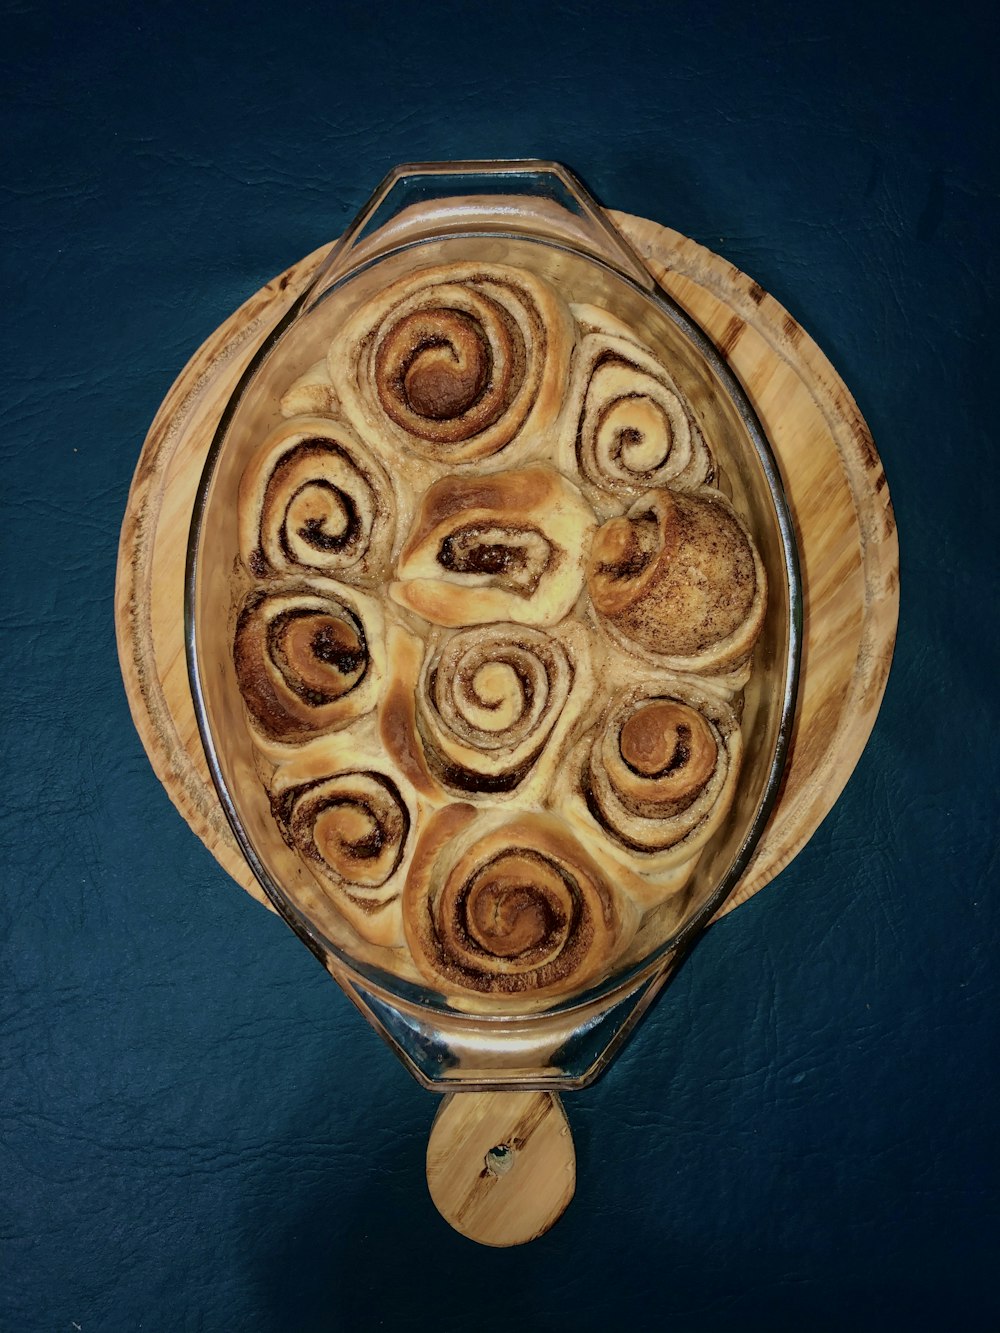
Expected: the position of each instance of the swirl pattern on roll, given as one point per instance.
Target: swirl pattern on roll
(455, 363)
(627, 428)
(313, 499)
(659, 774)
(508, 907)
(308, 659)
(508, 546)
(489, 702)
(352, 829)
(678, 577)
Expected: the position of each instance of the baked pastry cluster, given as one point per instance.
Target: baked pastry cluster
(498, 619)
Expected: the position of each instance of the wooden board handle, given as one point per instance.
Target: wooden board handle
(501, 1166)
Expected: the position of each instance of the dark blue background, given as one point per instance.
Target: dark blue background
(198, 1132)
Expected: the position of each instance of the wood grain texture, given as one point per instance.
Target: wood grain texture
(831, 471)
(509, 1196)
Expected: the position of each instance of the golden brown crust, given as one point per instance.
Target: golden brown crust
(509, 907)
(486, 711)
(626, 427)
(455, 363)
(680, 577)
(654, 777)
(309, 659)
(672, 743)
(314, 500)
(352, 821)
(510, 546)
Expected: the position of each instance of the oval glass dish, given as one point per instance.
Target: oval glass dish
(536, 219)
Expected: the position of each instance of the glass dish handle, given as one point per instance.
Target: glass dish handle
(518, 197)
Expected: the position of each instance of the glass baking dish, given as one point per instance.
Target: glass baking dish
(535, 216)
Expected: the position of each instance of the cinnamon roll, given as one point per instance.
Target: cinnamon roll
(626, 428)
(352, 826)
(507, 546)
(657, 774)
(509, 907)
(679, 578)
(455, 363)
(309, 659)
(487, 710)
(313, 499)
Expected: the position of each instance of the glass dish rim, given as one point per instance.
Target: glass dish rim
(371, 977)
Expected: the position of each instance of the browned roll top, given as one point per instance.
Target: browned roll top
(484, 707)
(503, 495)
(509, 546)
(668, 743)
(437, 375)
(507, 907)
(319, 518)
(631, 429)
(679, 576)
(661, 767)
(313, 499)
(302, 662)
(351, 828)
(455, 362)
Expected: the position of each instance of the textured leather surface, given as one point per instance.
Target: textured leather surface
(197, 1130)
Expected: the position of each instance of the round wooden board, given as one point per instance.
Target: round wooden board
(501, 1166)
(832, 474)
